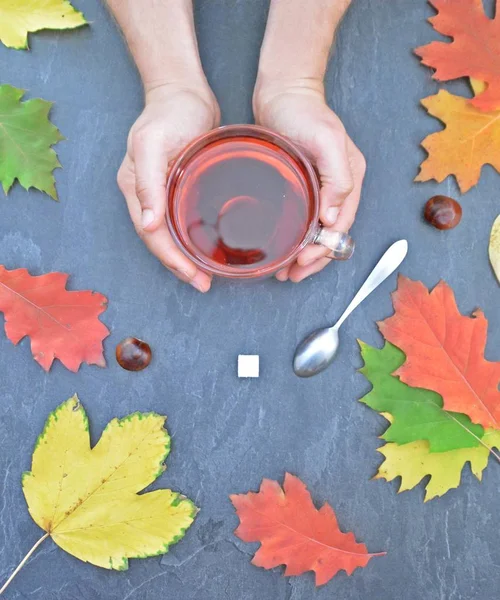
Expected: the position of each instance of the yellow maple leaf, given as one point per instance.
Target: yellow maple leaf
(414, 461)
(470, 140)
(19, 17)
(87, 499)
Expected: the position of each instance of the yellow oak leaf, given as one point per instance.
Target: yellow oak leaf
(87, 499)
(414, 461)
(19, 17)
(494, 247)
(470, 140)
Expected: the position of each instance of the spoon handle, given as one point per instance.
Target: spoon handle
(389, 262)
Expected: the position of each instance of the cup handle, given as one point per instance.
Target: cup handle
(341, 244)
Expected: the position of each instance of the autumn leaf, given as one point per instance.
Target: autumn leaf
(293, 532)
(474, 51)
(414, 461)
(87, 499)
(60, 324)
(494, 247)
(20, 17)
(444, 350)
(470, 140)
(417, 413)
(26, 137)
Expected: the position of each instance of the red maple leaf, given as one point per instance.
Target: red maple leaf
(474, 51)
(293, 532)
(60, 324)
(444, 350)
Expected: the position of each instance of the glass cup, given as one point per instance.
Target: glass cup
(243, 201)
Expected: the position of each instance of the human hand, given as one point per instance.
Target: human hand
(173, 116)
(300, 113)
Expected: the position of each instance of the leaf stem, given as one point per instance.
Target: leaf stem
(493, 453)
(22, 563)
(474, 435)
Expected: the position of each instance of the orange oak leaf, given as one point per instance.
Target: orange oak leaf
(60, 324)
(293, 532)
(444, 350)
(474, 51)
(470, 140)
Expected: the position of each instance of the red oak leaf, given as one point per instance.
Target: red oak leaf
(60, 324)
(474, 51)
(444, 350)
(293, 532)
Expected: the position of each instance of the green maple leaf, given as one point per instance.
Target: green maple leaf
(26, 137)
(417, 414)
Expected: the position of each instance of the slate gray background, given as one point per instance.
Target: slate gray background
(229, 433)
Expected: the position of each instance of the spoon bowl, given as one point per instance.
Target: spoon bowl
(316, 352)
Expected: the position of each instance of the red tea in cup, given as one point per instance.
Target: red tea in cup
(242, 202)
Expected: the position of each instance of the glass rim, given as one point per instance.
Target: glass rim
(260, 133)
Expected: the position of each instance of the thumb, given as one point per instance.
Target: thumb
(151, 165)
(332, 162)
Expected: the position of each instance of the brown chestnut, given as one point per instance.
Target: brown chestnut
(443, 212)
(133, 354)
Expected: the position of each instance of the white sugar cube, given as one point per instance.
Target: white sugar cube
(248, 365)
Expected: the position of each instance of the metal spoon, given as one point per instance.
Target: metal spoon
(318, 349)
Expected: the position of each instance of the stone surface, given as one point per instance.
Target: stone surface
(229, 433)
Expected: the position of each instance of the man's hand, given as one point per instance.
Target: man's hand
(173, 116)
(179, 107)
(299, 111)
(289, 98)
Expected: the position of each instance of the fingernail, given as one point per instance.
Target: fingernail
(148, 217)
(281, 275)
(331, 214)
(198, 286)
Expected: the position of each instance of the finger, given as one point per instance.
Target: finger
(151, 164)
(159, 242)
(332, 161)
(282, 275)
(199, 281)
(298, 273)
(351, 204)
(125, 179)
(347, 213)
(312, 253)
(164, 248)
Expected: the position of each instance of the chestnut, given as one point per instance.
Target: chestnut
(133, 354)
(442, 212)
